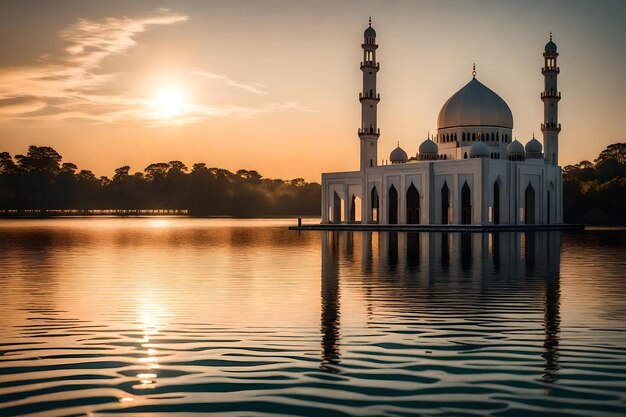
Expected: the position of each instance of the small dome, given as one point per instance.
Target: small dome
(398, 156)
(428, 147)
(515, 150)
(369, 32)
(479, 150)
(534, 146)
(550, 46)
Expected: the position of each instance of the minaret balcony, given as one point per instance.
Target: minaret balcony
(370, 65)
(547, 70)
(550, 94)
(369, 133)
(551, 127)
(368, 97)
(369, 46)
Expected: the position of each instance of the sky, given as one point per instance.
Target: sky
(272, 85)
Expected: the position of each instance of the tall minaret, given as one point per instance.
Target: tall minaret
(369, 99)
(550, 97)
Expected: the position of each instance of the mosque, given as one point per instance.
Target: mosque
(470, 172)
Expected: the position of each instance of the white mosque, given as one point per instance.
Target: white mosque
(470, 172)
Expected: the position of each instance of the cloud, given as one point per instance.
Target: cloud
(90, 42)
(64, 89)
(255, 88)
(71, 85)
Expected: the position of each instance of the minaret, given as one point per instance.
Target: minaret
(550, 97)
(369, 99)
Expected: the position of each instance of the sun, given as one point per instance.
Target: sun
(168, 103)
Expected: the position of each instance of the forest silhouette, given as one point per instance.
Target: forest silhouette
(40, 180)
(593, 192)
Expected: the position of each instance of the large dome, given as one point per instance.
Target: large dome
(475, 105)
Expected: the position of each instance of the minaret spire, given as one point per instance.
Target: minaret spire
(550, 97)
(369, 98)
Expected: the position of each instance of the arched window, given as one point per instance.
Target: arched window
(529, 212)
(473, 137)
(465, 155)
(392, 208)
(496, 203)
(374, 205)
(463, 136)
(497, 136)
(336, 208)
(492, 137)
(445, 203)
(455, 137)
(466, 204)
(412, 205)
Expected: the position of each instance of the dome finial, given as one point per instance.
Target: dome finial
(550, 35)
(371, 25)
(474, 70)
(398, 144)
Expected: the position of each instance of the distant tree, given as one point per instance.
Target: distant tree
(121, 173)
(69, 167)
(200, 166)
(86, 175)
(40, 158)
(298, 182)
(616, 152)
(156, 171)
(6, 163)
(176, 168)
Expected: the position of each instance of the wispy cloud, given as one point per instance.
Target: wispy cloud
(65, 88)
(255, 88)
(72, 86)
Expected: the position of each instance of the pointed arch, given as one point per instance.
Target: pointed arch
(466, 204)
(392, 205)
(374, 209)
(336, 208)
(495, 211)
(550, 205)
(412, 205)
(445, 203)
(353, 209)
(529, 209)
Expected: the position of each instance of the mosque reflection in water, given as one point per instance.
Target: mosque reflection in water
(423, 278)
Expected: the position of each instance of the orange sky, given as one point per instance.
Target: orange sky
(273, 85)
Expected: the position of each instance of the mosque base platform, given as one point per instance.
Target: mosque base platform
(466, 228)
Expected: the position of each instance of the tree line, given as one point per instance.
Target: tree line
(40, 180)
(595, 192)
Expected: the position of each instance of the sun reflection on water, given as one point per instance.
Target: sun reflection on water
(150, 316)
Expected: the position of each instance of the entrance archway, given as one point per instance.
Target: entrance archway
(445, 203)
(336, 208)
(496, 203)
(374, 207)
(466, 204)
(412, 205)
(529, 209)
(392, 207)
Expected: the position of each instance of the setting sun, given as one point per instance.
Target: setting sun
(168, 103)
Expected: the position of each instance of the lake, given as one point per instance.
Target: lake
(155, 316)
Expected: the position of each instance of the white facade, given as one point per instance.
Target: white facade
(471, 172)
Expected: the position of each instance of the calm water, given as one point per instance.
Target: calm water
(245, 318)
